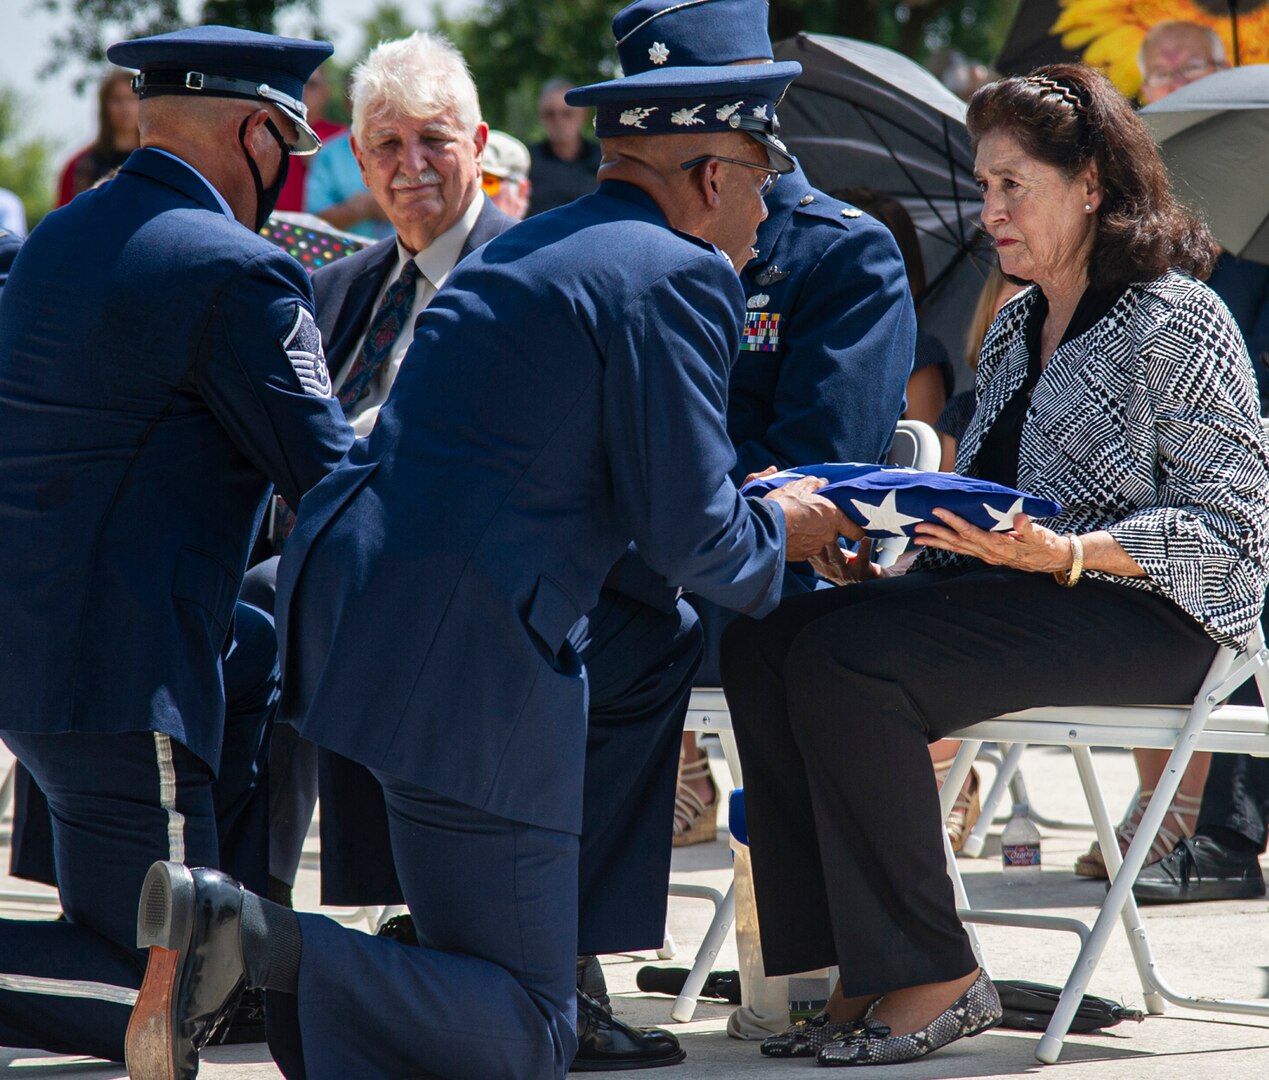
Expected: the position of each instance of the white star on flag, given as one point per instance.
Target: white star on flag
(1004, 518)
(886, 517)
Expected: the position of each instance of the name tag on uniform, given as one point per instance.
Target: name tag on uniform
(761, 332)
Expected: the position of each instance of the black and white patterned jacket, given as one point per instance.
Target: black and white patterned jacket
(1146, 425)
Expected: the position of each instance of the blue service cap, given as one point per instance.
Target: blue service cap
(690, 33)
(695, 100)
(223, 61)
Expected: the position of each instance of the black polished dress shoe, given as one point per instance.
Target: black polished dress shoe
(605, 1044)
(1200, 868)
(399, 928)
(971, 1014)
(190, 921)
(591, 981)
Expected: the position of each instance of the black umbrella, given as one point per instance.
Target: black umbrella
(1214, 138)
(863, 115)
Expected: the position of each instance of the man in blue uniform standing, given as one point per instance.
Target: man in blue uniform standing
(159, 366)
(465, 538)
(829, 328)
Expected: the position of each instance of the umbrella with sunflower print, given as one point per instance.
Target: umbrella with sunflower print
(1107, 34)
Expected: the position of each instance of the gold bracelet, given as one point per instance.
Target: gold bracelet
(1068, 578)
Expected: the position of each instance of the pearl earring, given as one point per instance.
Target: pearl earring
(1088, 208)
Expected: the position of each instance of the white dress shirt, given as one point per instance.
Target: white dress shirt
(435, 263)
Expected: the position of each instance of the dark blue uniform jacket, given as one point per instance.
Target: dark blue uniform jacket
(565, 394)
(159, 365)
(829, 336)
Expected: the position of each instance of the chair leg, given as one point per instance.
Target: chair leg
(962, 900)
(732, 756)
(1122, 875)
(668, 948)
(1131, 917)
(6, 792)
(977, 838)
(724, 915)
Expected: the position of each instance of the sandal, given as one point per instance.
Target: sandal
(967, 808)
(1183, 812)
(695, 822)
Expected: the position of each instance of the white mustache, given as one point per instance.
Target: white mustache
(426, 177)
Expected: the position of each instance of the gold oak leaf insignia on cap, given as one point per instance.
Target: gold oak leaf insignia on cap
(760, 113)
(725, 112)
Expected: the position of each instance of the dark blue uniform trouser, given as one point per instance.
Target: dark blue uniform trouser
(251, 690)
(119, 803)
(488, 994)
(640, 662)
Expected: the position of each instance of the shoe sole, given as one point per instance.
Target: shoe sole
(165, 920)
(830, 1063)
(627, 1066)
(1199, 894)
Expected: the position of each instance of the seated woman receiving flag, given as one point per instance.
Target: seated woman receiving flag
(1118, 387)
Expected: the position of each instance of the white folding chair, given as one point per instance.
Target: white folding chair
(1206, 724)
(6, 815)
(915, 445)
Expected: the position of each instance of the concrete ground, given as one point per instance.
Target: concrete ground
(1218, 949)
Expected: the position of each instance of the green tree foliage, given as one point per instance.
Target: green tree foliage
(514, 46)
(91, 25)
(25, 164)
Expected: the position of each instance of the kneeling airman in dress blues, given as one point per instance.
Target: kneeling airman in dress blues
(159, 367)
(829, 329)
(465, 538)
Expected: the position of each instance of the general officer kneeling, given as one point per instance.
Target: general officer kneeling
(473, 525)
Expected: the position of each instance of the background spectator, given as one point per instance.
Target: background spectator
(316, 98)
(12, 213)
(563, 164)
(335, 191)
(117, 137)
(506, 174)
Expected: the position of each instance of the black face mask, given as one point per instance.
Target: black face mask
(266, 197)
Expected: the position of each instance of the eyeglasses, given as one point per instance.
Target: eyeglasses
(492, 185)
(1187, 72)
(772, 174)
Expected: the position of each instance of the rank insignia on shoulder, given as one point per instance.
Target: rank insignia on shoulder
(851, 212)
(770, 276)
(758, 300)
(761, 332)
(303, 348)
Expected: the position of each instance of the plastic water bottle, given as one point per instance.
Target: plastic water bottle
(1020, 848)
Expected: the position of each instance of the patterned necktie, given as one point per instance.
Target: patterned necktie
(385, 328)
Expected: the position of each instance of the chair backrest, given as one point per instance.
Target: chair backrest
(915, 445)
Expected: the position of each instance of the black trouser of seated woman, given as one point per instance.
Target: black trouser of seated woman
(834, 697)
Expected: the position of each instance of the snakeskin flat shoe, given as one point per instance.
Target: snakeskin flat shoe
(973, 1012)
(805, 1037)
